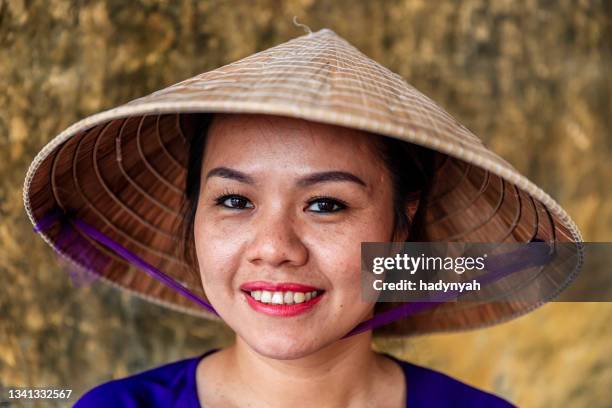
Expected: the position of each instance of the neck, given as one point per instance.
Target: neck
(341, 374)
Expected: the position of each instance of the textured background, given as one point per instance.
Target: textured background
(532, 78)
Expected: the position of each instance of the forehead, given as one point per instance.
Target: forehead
(248, 138)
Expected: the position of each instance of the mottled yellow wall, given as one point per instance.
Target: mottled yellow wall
(532, 78)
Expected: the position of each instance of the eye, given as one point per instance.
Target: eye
(325, 205)
(235, 202)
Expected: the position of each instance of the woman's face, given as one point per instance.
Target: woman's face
(283, 208)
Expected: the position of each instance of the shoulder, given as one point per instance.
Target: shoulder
(428, 387)
(166, 385)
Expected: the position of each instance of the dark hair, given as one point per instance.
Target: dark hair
(410, 179)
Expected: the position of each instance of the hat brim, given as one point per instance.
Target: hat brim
(123, 170)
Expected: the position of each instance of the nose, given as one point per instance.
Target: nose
(276, 241)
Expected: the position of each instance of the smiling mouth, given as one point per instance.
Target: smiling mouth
(281, 299)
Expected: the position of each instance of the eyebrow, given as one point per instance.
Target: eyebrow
(327, 176)
(311, 179)
(225, 172)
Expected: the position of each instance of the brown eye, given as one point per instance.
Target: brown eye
(235, 202)
(325, 205)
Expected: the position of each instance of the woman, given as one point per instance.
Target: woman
(273, 198)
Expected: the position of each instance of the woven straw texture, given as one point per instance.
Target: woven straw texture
(123, 170)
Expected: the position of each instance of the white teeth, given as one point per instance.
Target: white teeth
(280, 298)
(266, 296)
(298, 297)
(277, 298)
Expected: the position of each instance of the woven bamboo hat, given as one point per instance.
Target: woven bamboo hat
(123, 170)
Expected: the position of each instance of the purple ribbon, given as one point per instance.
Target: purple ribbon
(135, 260)
(526, 257)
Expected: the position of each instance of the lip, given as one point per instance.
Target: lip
(280, 310)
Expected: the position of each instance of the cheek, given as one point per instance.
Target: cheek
(217, 249)
(337, 249)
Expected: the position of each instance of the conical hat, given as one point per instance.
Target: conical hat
(123, 170)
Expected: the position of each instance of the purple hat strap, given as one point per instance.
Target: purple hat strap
(67, 217)
(408, 308)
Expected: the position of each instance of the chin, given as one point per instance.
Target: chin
(283, 347)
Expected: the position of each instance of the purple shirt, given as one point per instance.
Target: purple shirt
(173, 385)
